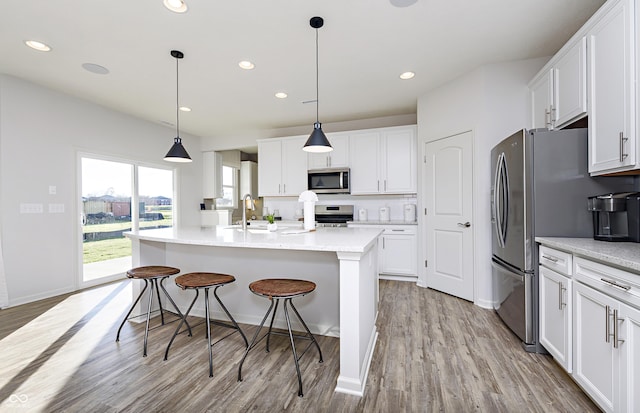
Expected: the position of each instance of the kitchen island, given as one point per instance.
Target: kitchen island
(341, 261)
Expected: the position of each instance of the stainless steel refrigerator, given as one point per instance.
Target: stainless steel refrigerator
(540, 187)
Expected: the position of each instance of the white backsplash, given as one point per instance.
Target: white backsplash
(290, 209)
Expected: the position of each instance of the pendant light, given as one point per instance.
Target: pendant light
(317, 141)
(177, 153)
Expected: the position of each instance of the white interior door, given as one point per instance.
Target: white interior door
(448, 199)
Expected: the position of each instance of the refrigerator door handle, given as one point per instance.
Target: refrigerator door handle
(501, 193)
(496, 213)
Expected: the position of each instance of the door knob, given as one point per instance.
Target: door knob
(465, 225)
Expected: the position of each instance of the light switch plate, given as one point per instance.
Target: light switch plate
(52, 189)
(31, 209)
(56, 208)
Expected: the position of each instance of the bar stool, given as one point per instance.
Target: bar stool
(151, 273)
(206, 280)
(277, 289)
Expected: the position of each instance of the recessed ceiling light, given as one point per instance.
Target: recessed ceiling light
(37, 45)
(247, 65)
(407, 75)
(94, 68)
(178, 6)
(403, 3)
(281, 95)
(185, 108)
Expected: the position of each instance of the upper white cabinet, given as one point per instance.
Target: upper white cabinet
(612, 89)
(282, 167)
(212, 175)
(383, 161)
(559, 92)
(337, 158)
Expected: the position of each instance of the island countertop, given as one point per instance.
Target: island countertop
(289, 238)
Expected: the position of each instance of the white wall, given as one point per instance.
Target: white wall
(41, 132)
(492, 103)
(246, 140)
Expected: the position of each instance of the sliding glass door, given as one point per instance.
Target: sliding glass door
(118, 196)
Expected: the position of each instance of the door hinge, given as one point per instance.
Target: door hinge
(426, 263)
(425, 158)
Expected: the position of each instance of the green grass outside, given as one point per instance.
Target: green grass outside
(105, 250)
(94, 251)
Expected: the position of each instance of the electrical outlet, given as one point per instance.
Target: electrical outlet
(56, 208)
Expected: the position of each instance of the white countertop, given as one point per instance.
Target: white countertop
(289, 238)
(625, 255)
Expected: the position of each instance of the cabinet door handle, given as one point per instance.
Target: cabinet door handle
(378, 185)
(606, 324)
(616, 340)
(279, 189)
(465, 225)
(622, 141)
(547, 117)
(615, 284)
(546, 257)
(284, 188)
(397, 230)
(561, 291)
(385, 185)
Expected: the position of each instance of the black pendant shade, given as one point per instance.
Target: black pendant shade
(177, 153)
(317, 141)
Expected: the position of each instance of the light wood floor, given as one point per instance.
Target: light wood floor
(434, 353)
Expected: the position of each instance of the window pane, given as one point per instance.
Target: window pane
(227, 175)
(106, 200)
(155, 193)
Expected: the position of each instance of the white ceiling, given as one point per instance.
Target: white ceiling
(363, 47)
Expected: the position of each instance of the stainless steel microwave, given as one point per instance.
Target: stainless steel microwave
(329, 181)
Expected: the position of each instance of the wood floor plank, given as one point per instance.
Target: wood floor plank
(435, 353)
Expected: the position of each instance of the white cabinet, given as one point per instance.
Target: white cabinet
(282, 167)
(212, 175)
(630, 359)
(397, 251)
(559, 92)
(337, 158)
(612, 90)
(383, 161)
(594, 353)
(607, 335)
(555, 296)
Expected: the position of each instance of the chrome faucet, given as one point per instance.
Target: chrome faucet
(244, 210)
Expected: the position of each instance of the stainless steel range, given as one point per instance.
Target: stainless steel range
(333, 215)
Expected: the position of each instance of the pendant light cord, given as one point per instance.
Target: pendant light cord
(177, 101)
(317, 82)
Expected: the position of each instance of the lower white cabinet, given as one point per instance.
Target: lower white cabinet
(595, 357)
(607, 335)
(555, 316)
(397, 251)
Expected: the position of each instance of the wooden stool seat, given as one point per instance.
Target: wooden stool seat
(281, 288)
(203, 279)
(276, 289)
(152, 271)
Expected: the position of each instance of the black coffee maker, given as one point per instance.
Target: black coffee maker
(616, 216)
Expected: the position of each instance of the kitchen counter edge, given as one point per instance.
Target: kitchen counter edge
(625, 255)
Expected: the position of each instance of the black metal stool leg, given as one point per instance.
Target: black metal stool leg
(208, 321)
(293, 345)
(273, 316)
(174, 305)
(131, 309)
(233, 321)
(146, 329)
(184, 320)
(307, 328)
(253, 341)
(155, 281)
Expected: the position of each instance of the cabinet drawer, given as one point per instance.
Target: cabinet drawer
(401, 230)
(556, 260)
(620, 284)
